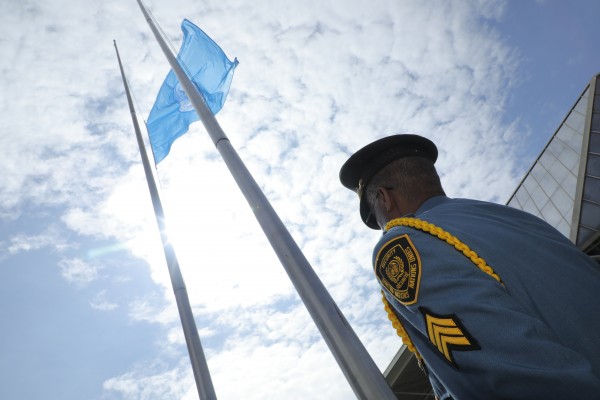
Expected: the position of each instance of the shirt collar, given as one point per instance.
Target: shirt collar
(426, 206)
(431, 203)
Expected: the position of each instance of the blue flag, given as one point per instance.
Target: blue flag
(210, 70)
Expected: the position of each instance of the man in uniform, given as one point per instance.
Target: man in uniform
(496, 303)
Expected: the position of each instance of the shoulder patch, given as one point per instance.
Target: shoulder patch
(398, 268)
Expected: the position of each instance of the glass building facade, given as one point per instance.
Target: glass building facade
(563, 185)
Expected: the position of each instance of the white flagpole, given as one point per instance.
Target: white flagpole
(357, 365)
(204, 384)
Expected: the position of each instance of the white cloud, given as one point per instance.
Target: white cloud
(100, 302)
(254, 370)
(151, 382)
(77, 271)
(48, 237)
(23, 243)
(146, 310)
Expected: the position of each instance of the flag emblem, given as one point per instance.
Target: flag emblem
(398, 268)
(447, 334)
(209, 69)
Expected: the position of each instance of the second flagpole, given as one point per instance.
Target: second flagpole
(204, 384)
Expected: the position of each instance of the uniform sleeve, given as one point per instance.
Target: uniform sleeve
(474, 336)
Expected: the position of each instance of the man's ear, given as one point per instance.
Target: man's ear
(387, 199)
(395, 204)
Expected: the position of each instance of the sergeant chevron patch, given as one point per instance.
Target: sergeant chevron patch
(448, 334)
(398, 268)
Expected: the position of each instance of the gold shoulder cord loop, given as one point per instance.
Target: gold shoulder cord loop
(451, 240)
(397, 325)
(448, 238)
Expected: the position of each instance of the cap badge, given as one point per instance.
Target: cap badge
(360, 188)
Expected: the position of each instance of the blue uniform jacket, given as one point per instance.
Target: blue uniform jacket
(534, 335)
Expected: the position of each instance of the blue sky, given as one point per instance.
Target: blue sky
(85, 302)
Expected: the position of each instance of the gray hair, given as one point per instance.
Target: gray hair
(414, 177)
